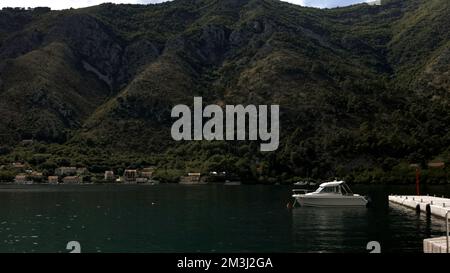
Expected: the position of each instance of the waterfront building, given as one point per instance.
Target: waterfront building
(72, 180)
(36, 177)
(22, 179)
(109, 176)
(191, 178)
(436, 165)
(130, 176)
(147, 174)
(53, 179)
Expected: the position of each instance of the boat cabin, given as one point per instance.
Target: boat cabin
(335, 187)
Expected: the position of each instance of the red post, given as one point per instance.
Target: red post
(418, 181)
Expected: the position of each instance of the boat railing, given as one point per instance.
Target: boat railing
(299, 191)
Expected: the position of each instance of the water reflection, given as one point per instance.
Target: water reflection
(330, 229)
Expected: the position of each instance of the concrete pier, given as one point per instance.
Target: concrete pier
(436, 206)
(435, 245)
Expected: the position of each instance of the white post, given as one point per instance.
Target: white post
(447, 228)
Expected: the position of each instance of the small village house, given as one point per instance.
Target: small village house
(22, 179)
(36, 176)
(147, 174)
(72, 180)
(191, 178)
(436, 165)
(109, 176)
(53, 179)
(130, 176)
(18, 166)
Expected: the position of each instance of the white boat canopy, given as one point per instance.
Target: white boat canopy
(332, 184)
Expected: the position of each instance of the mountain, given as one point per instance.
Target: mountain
(363, 90)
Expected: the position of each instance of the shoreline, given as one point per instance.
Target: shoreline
(213, 183)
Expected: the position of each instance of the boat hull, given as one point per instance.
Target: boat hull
(330, 201)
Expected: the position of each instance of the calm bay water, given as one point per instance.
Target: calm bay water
(209, 218)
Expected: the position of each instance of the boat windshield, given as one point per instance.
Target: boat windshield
(335, 189)
(347, 189)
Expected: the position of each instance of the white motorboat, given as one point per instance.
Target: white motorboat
(330, 194)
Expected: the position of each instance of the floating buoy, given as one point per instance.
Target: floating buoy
(289, 205)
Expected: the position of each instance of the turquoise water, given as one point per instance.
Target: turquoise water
(209, 218)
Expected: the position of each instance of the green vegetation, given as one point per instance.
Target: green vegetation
(363, 90)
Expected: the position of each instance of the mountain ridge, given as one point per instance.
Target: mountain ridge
(357, 86)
